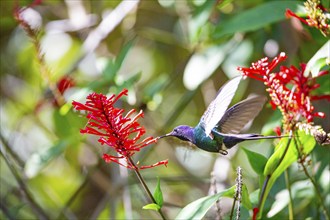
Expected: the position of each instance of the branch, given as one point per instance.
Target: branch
(23, 188)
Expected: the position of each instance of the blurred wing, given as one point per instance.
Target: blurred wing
(237, 116)
(218, 106)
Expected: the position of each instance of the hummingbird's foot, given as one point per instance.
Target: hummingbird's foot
(223, 152)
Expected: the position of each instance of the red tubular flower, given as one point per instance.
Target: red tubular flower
(289, 13)
(255, 213)
(65, 83)
(289, 89)
(119, 132)
(317, 16)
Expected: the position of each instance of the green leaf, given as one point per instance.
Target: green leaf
(66, 126)
(299, 190)
(110, 71)
(318, 61)
(281, 202)
(158, 195)
(223, 3)
(128, 83)
(122, 55)
(198, 208)
(282, 149)
(15, 209)
(285, 154)
(254, 197)
(257, 161)
(198, 21)
(256, 18)
(156, 86)
(246, 198)
(113, 66)
(306, 142)
(324, 82)
(152, 206)
(39, 160)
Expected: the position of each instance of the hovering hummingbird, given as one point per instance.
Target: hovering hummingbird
(219, 127)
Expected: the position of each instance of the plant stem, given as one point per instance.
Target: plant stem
(12, 153)
(317, 190)
(288, 186)
(238, 194)
(263, 190)
(23, 188)
(45, 72)
(318, 193)
(232, 209)
(239, 184)
(136, 170)
(6, 212)
(215, 191)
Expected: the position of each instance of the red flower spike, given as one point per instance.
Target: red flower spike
(120, 132)
(317, 16)
(255, 213)
(294, 103)
(65, 83)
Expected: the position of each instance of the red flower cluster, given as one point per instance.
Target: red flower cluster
(289, 89)
(317, 16)
(119, 132)
(65, 83)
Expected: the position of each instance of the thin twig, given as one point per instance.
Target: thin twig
(317, 190)
(72, 199)
(123, 172)
(232, 209)
(239, 183)
(263, 190)
(10, 151)
(238, 195)
(44, 70)
(288, 186)
(318, 193)
(136, 170)
(5, 211)
(108, 24)
(23, 188)
(215, 191)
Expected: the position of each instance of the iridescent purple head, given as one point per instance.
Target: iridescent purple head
(183, 132)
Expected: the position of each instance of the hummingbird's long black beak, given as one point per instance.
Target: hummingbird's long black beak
(165, 135)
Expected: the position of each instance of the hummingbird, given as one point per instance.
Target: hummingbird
(219, 127)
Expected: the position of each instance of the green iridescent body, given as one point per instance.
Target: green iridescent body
(202, 141)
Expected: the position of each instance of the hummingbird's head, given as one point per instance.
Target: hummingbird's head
(183, 132)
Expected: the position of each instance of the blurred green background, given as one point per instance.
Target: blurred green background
(173, 56)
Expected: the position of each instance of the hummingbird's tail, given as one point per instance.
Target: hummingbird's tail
(258, 136)
(231, 140)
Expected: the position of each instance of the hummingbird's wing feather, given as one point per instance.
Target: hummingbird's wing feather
(218, 106)
(237, 116)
